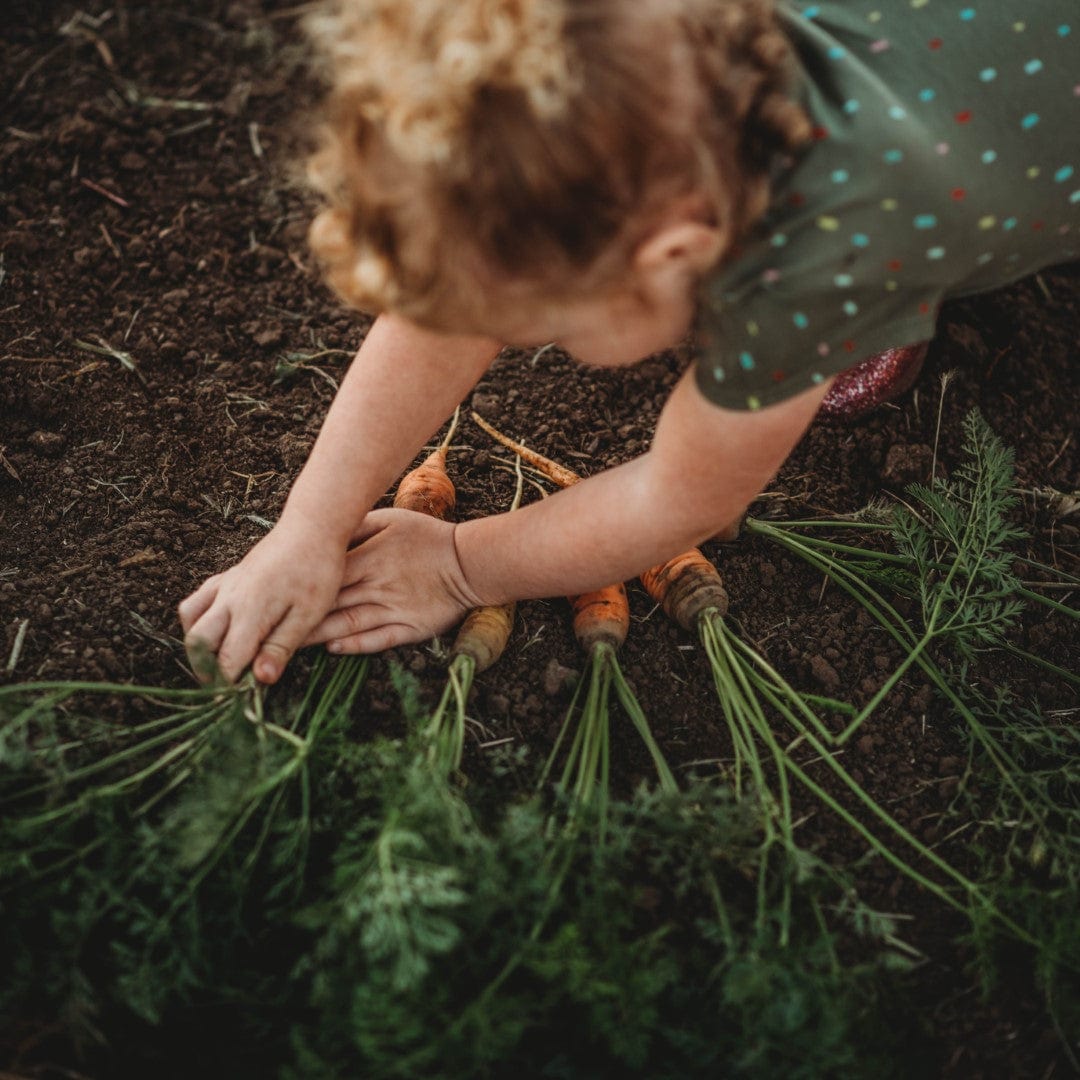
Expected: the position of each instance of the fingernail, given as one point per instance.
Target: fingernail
(334, 647)
(266, 673)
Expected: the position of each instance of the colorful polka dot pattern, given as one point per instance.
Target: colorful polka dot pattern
(943, 171)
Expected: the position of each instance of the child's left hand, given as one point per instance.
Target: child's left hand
(402, 584)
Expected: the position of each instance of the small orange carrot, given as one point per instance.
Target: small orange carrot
(427, 489)
(601, 621)
(685, 587)
(558, 474)
(486, 630)
(480, 641)
(484, 634)
(601, 616)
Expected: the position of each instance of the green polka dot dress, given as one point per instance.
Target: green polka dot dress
(945, 161)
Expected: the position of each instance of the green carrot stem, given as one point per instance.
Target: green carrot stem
(1047, 665)
(632, 708)
(446, 729)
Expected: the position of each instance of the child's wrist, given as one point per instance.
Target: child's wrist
(327, 523)
(473, 559)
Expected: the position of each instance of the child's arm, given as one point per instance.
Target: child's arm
(414, 576)
(400, 387)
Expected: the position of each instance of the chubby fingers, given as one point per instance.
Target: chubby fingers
(377, 639)
(193, 607)
(363, 628)
(279, 645)
(266, 640)
(202, 640)
(347, 621)
(236, 638)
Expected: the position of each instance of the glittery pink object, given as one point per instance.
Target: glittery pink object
(873, 381)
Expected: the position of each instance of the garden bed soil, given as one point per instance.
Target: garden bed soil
(150, 205)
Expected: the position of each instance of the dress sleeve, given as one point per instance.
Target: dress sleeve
(765, 339)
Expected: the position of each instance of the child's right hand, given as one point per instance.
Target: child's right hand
(261, 610)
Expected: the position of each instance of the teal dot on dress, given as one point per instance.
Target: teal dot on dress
(984, 258)
(1029, 121)
(851, 106)
(935, 253)
(746, 361)
(837, 52)
(897, 112)
(989, 157)
(817, 378)
(1064, 30)
(778, 239)
(925, 221)
(927, 94)
(967, 14)
(861, 240)
(1033, 67)
(988, 74)
(840, 176)
(851, 308)
(718, 374)
(843, 281)
(811, 12)
(1009, 223)
(891, 157)
(1075, 196)
(800, 320)
(1063, 173)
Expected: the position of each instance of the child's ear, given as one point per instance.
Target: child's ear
(683, 246)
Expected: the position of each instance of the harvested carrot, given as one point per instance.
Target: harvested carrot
(685, 587)
(601, 622)
(558, 474)
(484, 634)
(479, 643)
(601, 616)
(428, 489)
(689, 589)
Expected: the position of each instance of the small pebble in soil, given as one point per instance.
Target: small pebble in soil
(46, 443)
(269, 337)
(824, 673)
(907, 464)
(558, 678)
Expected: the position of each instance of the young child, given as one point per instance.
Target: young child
(813, 179)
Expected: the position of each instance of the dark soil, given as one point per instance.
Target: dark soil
(149, 204)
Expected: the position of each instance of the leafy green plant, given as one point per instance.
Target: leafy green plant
(127, 873)
(626, 946)
(1020, 799)
(339, 904)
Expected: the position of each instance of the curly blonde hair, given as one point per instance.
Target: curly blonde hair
(534, 140)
